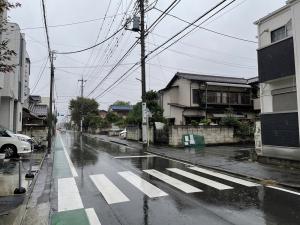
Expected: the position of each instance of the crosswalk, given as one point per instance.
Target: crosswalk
(112, 194)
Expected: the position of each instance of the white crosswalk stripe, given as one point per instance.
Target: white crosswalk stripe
(92, 217)
(200, 179)
(68, 195)
(144, 186)
(174, 182)
(225, 177)
(110, 192)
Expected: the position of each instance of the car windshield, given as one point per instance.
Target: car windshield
(10, 133)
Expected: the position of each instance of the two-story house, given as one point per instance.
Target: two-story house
(189, 97)
(14, 85)
(279, 76)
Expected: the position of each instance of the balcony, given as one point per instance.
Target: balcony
(280, 129)
(277, 60)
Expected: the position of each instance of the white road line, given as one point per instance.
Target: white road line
(174, 160)
(174, 182)
(68, 195)
(92, 216)
(134, 156)
(285, 190)
(73, 170)
(225, 177)
(144, 186)
(110, 192)
(200, 179)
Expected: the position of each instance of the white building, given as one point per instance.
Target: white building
(279, 74)
(14, 85)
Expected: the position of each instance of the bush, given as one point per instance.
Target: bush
(206, 122)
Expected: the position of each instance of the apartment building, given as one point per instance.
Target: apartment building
(14, 85)
(193, 97)
(279, 75)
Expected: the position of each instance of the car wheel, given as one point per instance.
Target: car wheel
(10, 151)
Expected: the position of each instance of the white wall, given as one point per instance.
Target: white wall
(273, 23)
(266, 89)
(10, 92)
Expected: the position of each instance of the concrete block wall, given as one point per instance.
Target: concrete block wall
(133, 133)
(211, 134)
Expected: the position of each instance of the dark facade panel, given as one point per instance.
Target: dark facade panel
(280, 129)
(276, 61)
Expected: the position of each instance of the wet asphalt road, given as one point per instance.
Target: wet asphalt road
(239, 205)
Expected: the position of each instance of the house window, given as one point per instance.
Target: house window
(282, 32)
(224, 98)
(214, 97)
(196, 96)
(234, 98)
(245, 98)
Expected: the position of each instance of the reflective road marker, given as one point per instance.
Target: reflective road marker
(110, 192)
(225, 177)
(68, 195)
(200, 179)
(144, 186)
(172, 181)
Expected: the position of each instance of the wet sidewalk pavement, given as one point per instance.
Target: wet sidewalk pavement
(12, 206)
(230, 159)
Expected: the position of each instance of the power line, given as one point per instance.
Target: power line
(209, 30)
(189, 25)
(195, 21)
(98, 35)
(106, 55)
(93, 46)
(40, 75)
(72, 23)
(116, 65)
(164, 13)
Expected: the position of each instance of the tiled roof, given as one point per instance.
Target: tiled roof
(121, 107)
(39, 110)
(210, 78)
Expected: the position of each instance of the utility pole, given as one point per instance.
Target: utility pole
(50, 119)
(82, 81)
(143, 75)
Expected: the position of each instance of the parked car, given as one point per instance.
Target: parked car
(11, 145)
(123, 133)
(36, 144)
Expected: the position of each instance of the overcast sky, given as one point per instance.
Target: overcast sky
(200, 52)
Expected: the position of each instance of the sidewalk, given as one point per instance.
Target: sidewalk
(12, 207)
(230, 159)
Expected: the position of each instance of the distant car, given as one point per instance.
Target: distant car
(123, 133)
(63, 130)
(11, 145)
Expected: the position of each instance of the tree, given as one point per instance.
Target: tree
(135, 116)
(121, 103)
(89, 109)
(5, 53)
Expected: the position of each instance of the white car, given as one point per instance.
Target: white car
(11, 145)
(123, 133)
